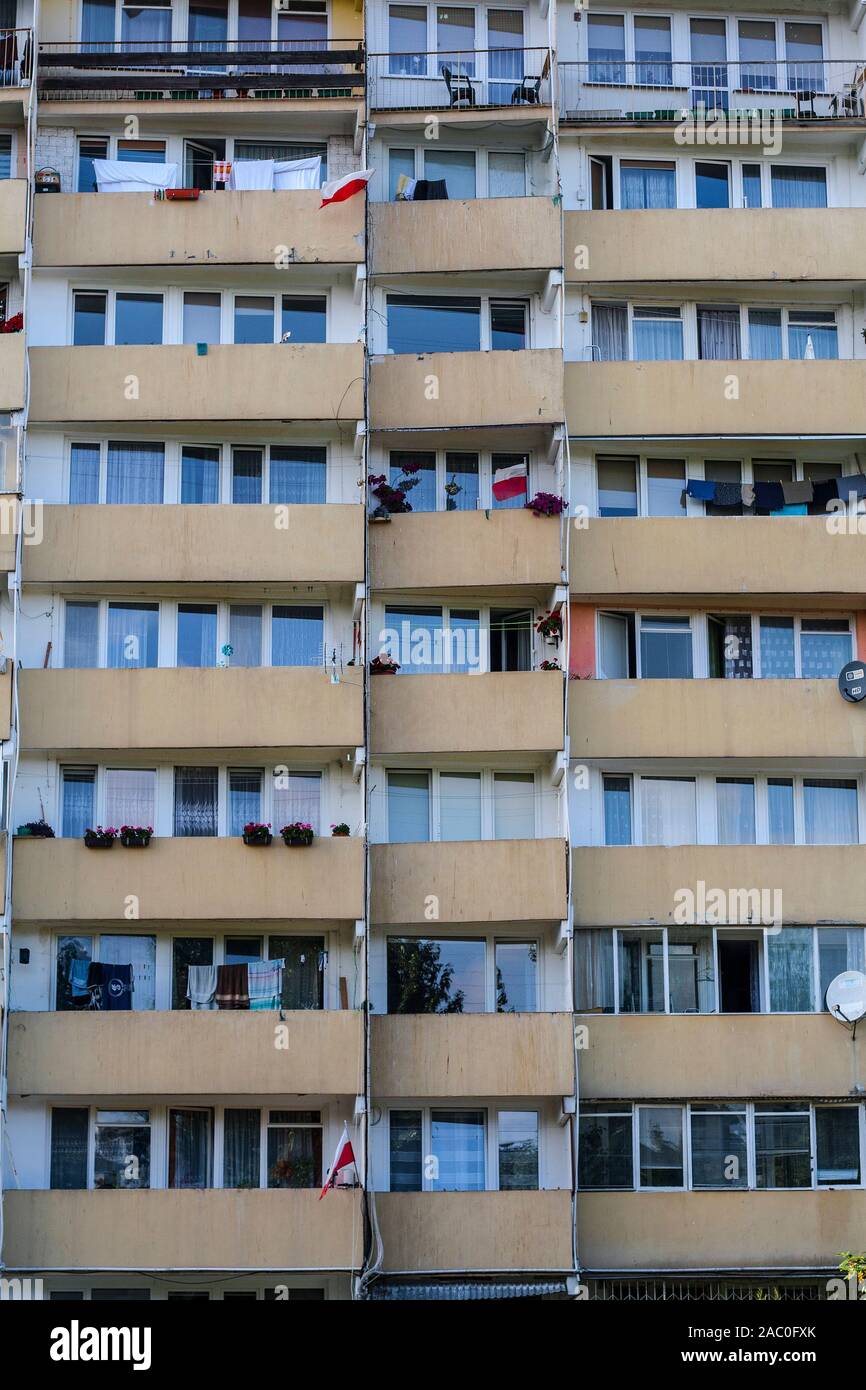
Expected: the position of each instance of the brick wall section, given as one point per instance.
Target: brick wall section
(55, 149)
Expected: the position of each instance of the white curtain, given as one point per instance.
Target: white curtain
(789, 956)
(298, 800)
(123, 176)
(830, 812)
(610, 331)
(460, 806)
(668, 815)
(718, 333)
(135, 473)
(735, 799)
(130, 796)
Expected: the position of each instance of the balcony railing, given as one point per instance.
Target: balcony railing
(179, 70)
(459, 81)
(662, 90)
(16, 57)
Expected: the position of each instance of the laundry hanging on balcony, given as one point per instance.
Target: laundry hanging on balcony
(233, 987)
(252, 174)
(265, 983)
(201, 986)
(780, 498)
(124, 176)
(298, 173)
(110, 986)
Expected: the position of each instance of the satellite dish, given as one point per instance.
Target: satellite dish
(846, 996)
(852, 682)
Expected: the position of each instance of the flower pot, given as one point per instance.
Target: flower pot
(295, 843)
(257, 837)
(135, 839)
(95, 841)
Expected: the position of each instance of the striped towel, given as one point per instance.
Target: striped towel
(266, 983)
(232, 991)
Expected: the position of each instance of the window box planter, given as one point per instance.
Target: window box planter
(545, 504)
(99, 838)
(38, 829)
(340, 830)
(135, 836)
(256, 833)
(550, 627)
(298, 835)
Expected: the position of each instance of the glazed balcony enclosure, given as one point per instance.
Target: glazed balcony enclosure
(494, 712)
(687, 399)
(13, 215)
(459, 1055)
(461, 1232)
(168, 710)
(449, 390)
(637, 885)
(622, 1231)
(144, 1053)
(714, 719)
(182, 1229)
(785, 561)
(464, 80)
(473, 880)
(474, 234)
(231, 382)
(658, 246)
(481, 551)
(219, 228)
(189, 880)
(197, 544)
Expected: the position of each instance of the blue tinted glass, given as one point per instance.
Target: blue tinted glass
(461, 482)
(297, 636)
(135, 473)
(657, 339)
(84, 473)
(408, 806)
(88, 150)
(78, 788)
(254, 319)
(405, 1147)
(752, 196)
(199, 474)
(822, 337)
(297, 474)
(647, 187)
(304, 318)
(97, 23)
(138, 319)
(413, 636)
(780, 802)
(416, 474)
(196, 634)
(81, 635)
(458, 1145)
(421, 323)
(777, 648)
(712, 185)
(765, 334)
(617, 811)
(795, 186)
(247, 475)
(88, 320)
(133, 635)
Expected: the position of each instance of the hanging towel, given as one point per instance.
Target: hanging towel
(768, 496)
(79, 971)
(728, 494)
(856, 483)
(298, 173)
(825, 491)
(232, 987)
(792, 509)
(122, 176)
(798, 492)
(252, 173)
(266, 983)
(703, 492)
(201, 986)
(747, 495)
(437, 190)
(405, 190)
(117, 987)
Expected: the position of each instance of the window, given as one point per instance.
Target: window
(187, 951)
(190, 1148)
(516, 965)
(780, 810)
(427, 976)
(647, 183)
(297, 473)
(606, 48)
(640, 959)
(80, 635)
(610, 337)
(735, 806)
(195, 800)
(605, 1154)
(812, 334)
(514, 805)
(135, 473)
(837, 1144)
(88, 319)
(419, 469)
(617, 486)
(407, 40)
(247, 468)
(406, 1145)
(594, 984)
(506, 174)
(691, 971)
(798, 186)
(147, 25)
(507, 324)
(518, 1150)
(88, 150)
(242, 1138)
(137, 319)
(130, 796)
(122, 1149)
(459, 805)
(782, 1147)
(511, 639)
(765, 334)
(462, 486)
(455, 37)
(200, 473)
(304, 972)
(304, 318)
(719, 1146)
(83, 473)
(718, 332)
(757, 55)
(196, 634)
(74, 954)
(839, 949)
(457, 1149)
(254, 319)
(712, 184)
(665, 648)
(133, 635)
(78, 798)
(657, 334)
(652, 51)
(433, 323)
(245, 798)
(660, 1146)
(294, 1148)
(752, 195)
(455, 167)
(69, 1136)
(830, 812)
(503, 462)
(297, 796)
(804, 50)
(789, 965)
(297, 635)
(202, 316)
(408, 807)
(668, 811)
(666, 480)
(617, 810)
(401, 166)
(825, 647)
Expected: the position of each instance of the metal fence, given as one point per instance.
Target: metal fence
(660, 89)
(16, 57)
(459, 81)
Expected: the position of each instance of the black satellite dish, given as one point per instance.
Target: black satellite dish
(852, 682)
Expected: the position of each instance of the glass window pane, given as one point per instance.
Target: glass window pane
(765, 334)
(782, 1150)
(606, 45)
(297, 474)
(712, 184)
(297, 636)
(617, 810)
(458, 1150)
(133, 635)
(88, 320)
(84, 473)
(461, 482)
(195, 800)
(657, 335)
(247, 466)
(138, 318)
(254, 318)
(69, 1131)
(413, 637)
(79, 794)
(719, 1149)
(780, 808)
(297, 796)
(668, 811)
(460, 806)
(80, 635)
(407, 39)
(665, 649)
(647, 183)
(825, 647)
(242, 1141)
(518, 1150)
(795, 186)
(666, 480)
(201, 317)
(456, 167)
(200, 473)
(187, 951)
(812, 335)
(652, 50)
(617, 486)
(839, 949)
(641, 972)
(138, 952)
(691, 970)
(245, 634)
(130, 796)
(408, 806)
(294, 1156)
(513, 805)
(593, 949)
(405, 1143)
(752, 195)
(245, 798)
(506, 174)
(122, 1158)
(661, 1146)
(196, 634)
(718, 332)
(74, 954)
(135, 473)
(735, 802)
(837, 1137)
(830, 810)
(605, 1152)
(401, 164)
(304, 970)
(789, 959)
(190, 1148)
(777, 648)
(516, 977)
(436, 976)
(304, 318)
(507, 325)
(434, 323)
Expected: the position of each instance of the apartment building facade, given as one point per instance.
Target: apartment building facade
(430, 521)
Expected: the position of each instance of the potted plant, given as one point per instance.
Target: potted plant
(99, 838)
(135, 836)
(298, 834)
(550, 626)
(340, 830)
(257, 833)
(549, 666)
(39, 829)
(392, 497)
(452, 491)
(545, 504)
(384, 665)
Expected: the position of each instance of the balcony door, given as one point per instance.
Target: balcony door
(709, 54)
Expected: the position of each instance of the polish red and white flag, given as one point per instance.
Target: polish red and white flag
(343, 1158)
(338, 190)
(510, 482)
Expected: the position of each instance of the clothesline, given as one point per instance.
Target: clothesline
(779, 499)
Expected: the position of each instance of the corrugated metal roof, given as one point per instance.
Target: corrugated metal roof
(441, 1290)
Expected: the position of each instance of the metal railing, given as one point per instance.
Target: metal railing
(662, 90)
(16, 57)
(459, 80)
(178, 69)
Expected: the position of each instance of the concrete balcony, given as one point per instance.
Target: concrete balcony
(685, 399)
(688, 1056)
(184, 1053)
(220, 228)
(497, 712)
(13, 216)
(456, 1055)
(656, 246)
(683, 1231)
(457, 1232)
(189, 880)
(714, 719)
(168, 710)
(6, 698)
(473, 880)
(478, 234)
(767, 560)
(481, 551)
(182, 1229)
(635, 886)
(472, 389)
(217, 545)
(12, 358)
(249, 382)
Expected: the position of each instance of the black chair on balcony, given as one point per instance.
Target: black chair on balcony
(528, 93)
(461, 93)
